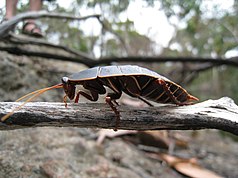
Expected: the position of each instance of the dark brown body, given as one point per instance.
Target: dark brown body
(133, 80)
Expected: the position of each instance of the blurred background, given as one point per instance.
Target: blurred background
(165, 28)
(198, 28)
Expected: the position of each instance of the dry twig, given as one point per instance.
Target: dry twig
(219, 114)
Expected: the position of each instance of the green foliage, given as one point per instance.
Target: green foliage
(229, 85)
(115, 6)
(183, 7)
(205, 34)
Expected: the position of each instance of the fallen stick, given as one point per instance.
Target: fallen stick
(219, 114)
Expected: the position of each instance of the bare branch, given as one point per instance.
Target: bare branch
(22, 39)
(88, 61)
(19, 51)
(149, 59)
(78, 57)
(8, 25)
(212, 114)
(107, 28)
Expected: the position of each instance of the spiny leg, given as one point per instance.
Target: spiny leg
(145, 101)
(92, 97)
(95, 89)
(169, 93)
(110, 98)
(132, 88)
(65, 101)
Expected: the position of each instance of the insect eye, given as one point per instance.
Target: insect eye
(65, 80)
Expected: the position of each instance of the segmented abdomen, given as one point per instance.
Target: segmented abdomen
(149, 88)
(155, 92)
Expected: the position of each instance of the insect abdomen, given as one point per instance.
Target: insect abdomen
(155, 92)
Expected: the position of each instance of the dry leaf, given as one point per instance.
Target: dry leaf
(188, 167)
(154, 138)
(162, 139)
(103, 133)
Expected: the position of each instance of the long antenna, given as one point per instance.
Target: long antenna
(35, 94)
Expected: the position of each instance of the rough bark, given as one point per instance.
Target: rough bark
(219, 114)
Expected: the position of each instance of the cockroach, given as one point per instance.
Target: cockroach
(135, 81)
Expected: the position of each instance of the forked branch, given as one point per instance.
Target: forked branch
(219, 114)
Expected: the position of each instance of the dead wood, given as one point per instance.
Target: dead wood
(25, 40)
(45, 53)
(15, 42)
(219, 114)
(19, 45)
(233, 61)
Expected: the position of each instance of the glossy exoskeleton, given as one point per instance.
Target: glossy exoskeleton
(133, 80)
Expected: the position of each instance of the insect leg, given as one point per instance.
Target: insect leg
(92, 97)
(169, 93)
(133, 88)
(95, 88)
(65, 101)
(112, 97)
(145, 101)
